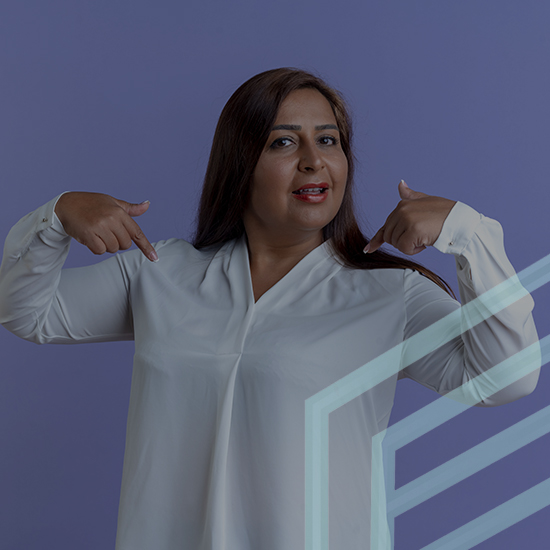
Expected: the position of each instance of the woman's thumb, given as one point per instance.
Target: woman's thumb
(136, 209)
(405, 192)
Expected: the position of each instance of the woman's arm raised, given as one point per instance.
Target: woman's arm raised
(41, 302)
(103, 223)
(478, 246)
(419, 221)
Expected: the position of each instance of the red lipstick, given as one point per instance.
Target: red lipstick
(312, 192)
(321, 185)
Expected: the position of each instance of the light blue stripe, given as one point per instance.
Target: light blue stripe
(376, 371)
(442, 410)
(496, 520)
(536, 275)
(436, 413)
(381, 538)
(470, 462)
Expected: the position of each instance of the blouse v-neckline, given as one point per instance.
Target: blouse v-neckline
(289, 280)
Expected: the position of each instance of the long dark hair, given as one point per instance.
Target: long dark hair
(241, 133)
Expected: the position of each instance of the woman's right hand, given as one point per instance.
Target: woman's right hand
(103, 223)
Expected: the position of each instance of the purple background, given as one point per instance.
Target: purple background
(123, 98)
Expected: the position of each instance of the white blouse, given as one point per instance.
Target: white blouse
(215, 440)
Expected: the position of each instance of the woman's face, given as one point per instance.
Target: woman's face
(303, 152)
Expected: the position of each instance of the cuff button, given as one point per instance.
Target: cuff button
(44, 220)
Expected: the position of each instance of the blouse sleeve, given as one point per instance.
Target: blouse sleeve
(476, 241)
(43, 303)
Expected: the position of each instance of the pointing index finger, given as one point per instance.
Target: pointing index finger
(376, 242)
(141, 241)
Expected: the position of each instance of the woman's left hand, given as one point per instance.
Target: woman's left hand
(415, 223)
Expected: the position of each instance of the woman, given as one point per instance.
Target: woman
(274, 301)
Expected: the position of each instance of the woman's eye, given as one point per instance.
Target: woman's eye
(283, 142)
(330, 138)
(278, 143)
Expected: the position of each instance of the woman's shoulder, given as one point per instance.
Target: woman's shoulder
(399, 281)
(381, 280)
(184, 251)
(173, 253)
(392, 273)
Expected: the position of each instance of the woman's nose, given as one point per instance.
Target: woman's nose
(310, 158)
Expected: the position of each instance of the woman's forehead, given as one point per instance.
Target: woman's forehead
(305, 104)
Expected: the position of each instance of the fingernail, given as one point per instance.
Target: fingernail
(403, 182)
(145, 202)
(366, 249)
(153, 256)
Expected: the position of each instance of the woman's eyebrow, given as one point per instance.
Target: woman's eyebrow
(297, 128)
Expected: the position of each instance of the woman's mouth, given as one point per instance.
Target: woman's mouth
(310, 191)
(311, 194)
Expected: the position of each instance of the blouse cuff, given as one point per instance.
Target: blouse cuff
(458, 229)
(50, 222)
(42, 222)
